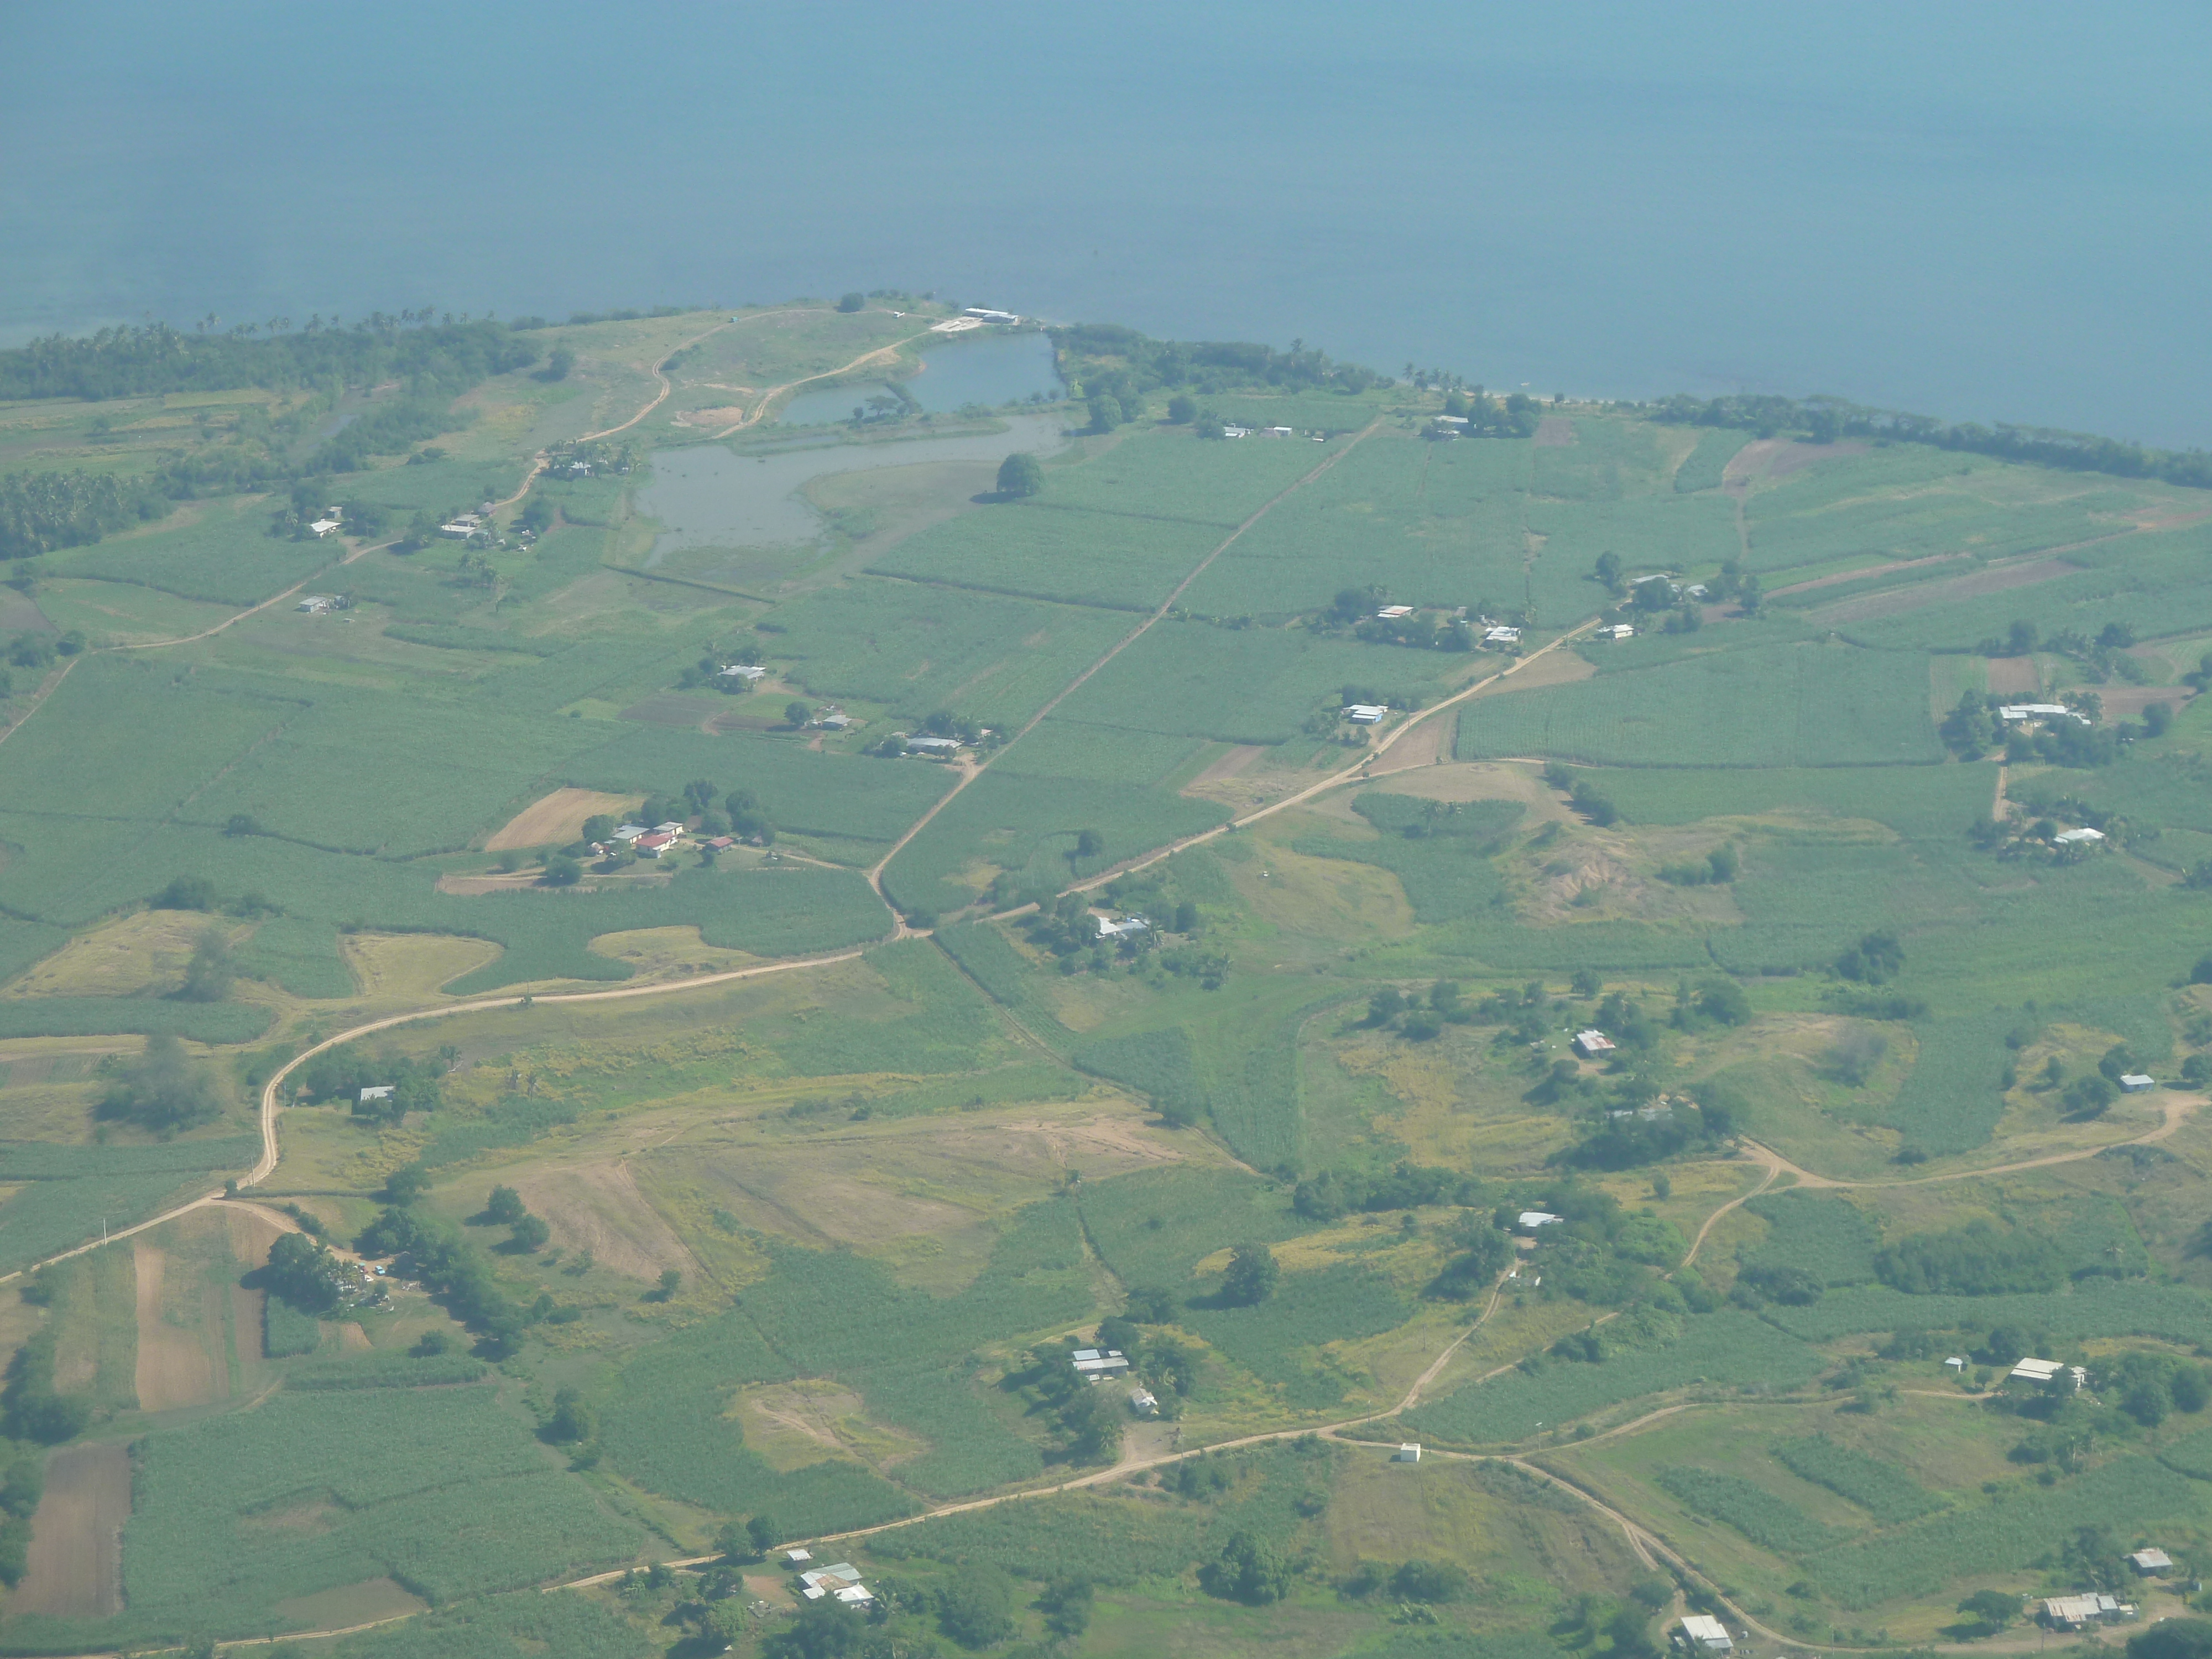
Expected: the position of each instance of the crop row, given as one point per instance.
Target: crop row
(1882, 1490)
(1772, 1523)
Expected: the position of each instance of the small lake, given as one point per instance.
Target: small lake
(706, 496)
(989, 369)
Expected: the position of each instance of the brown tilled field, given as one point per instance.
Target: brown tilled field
(175, 1366)
(556, 819)
(75, 1569)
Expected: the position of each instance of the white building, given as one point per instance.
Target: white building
(2135, 1082)
(1619, 631)
(1144, 1402)
(322, 528)
(946, 747)
(630, 832)
(1533, 1218)
(1364, 713)
(1955, 1365)
(1502, 635)
(985, 314)
(2041, 1372)
(1094, 1364)
(2151, 1562)
(2032, 713)
(1703, 1633)
(382, 1091)
(751, 673)
(2073, 1612)
(1108, 929)
(798, 1557)
(1278, 432)
(2084, 837)
(1592, 1043)
(1392, 612)
(1408, 1453)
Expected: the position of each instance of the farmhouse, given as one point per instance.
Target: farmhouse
(835, 721)
(722, 843)
(943, 748)
(1392, 612)
(1108, 929)
(462, 528)
(1534, 1219)
(1955, 1364)
(322, 528)
(796, 1557)
(1277, 431)
(1701, 1633)
(985, 314)
(2041, 1372)
(2084, 837)
(1592, 1043)
(2074, 1612)
(1502, 635)
(315, 604)
(2135, 1082)
(1364, 713)
(751, 673)
(381, 1091)
(2151, 1562)
(1094, 1364)
(1408, 1453)
(1449, 420)
(1144, 1402)
(630, 832)
(2034, 714)
(1619, 631)
(653, 845)
(1236, 431)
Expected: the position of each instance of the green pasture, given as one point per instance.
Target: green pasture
(1609, 458)
(1429, 524)
(916, 648)
(1702, 468)
(1779, 705)
(226, 555)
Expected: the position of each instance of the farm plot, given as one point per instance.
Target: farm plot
(1917, 801)
(1820, 1234)
(1728, 1349)
(2093, 1307)
(202, 1022)
(1429, 523)
(1704, 467)
(1609, 458)
(916, 648)
(1061, 748)
(73, 1569)
(1777, 706)
(1772, 1523)
(1883, 1490)
(1806, 896)
(2154, 582)
(528, 1625)
(1441, 856)
(1646, 533)
(1923, 524)
(1028, 827)
(2006, 1533)
(1173, 474)
(1121, 561)
(226, 555)
(823, 1315)
(443, 1491)
(1954, 1094)
(1252, 685)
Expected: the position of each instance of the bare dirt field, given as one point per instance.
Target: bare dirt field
(404, 966)
(2014, 677)
(1424, 745)
(1552, 668)
(558, 818)
(174, 1368)
(2127, 703)
(1997, 578)
(351, 1604)
(1226, 766)
(75, 1567)
(1554, 432)
(1462, 780)
(599, 1207)
(1778, 457)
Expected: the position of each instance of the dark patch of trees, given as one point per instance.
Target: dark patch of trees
(303, 1271)
(1876, 959)
(1335, 1193)
(30, 1409)
(1251, 1276)
(1020, 474)
(457, 1272)
(1247, 1570)
(40, 512)
(1975, 1260)
(1208, 367)
(164, 1092)
(343, 1073)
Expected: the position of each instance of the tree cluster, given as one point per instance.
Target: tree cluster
(41, 512)
(340, 1074)
(1824, 420)
(1582, 795)
(1206, 367)
(164, 1092)
(304, 1272)
(456, 1271)
(1975, 1260)
(525, 1232)
(1334, 1193)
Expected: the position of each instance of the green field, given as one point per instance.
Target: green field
(805, 1246)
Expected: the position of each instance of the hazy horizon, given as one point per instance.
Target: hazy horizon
(1974, 214)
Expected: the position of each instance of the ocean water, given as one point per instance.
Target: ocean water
(1977, 212)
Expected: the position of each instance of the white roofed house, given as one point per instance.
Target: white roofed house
(1144, 1402)
(1110, 928)
(1701, 1633)
(1392, 612)
(2074, 1612)
(2151, 1562)
(1592, 1043)
(1364, 713)
(2136, 1082)
(1533, 1220)
(378, 1091)
(2081, 837)
(1091, 1363)
(1502, 634)
(942, 748)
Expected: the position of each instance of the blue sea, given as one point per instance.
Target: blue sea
(1974, 211)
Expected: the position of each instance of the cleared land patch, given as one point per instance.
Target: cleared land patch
(74, 1565)
(557, 818)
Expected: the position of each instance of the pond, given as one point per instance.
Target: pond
(987, 369)
(705, 497)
